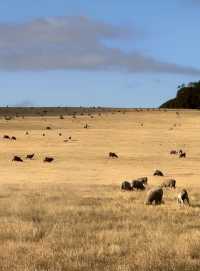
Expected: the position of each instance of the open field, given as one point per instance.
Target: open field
(71, 215)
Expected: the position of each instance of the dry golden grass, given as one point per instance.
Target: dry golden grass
(71, 215)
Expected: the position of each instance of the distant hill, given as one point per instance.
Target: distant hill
(188, 97)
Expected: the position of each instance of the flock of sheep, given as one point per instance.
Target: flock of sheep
(17, 158)
(155, 195)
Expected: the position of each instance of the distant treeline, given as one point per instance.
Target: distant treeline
(188, 97)
(61, 111)
(11, 112)
(48, 111)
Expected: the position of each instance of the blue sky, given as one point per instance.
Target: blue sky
(102, 53)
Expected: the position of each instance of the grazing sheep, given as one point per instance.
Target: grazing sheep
(182, 155)
(126, 186)
(13, 138)
(154, 195)
(48, 159)
(158, 173)
(144, 180)
(173, 152)
(169, 183)
(17, 159)
(6, 137)
(183, 197)
(137, 184)
(113, 155)
(30, 156)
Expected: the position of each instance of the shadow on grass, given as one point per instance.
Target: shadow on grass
(195, 205)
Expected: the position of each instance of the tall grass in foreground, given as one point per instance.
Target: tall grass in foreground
(64, 227)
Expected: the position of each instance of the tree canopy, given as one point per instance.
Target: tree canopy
(188, 97)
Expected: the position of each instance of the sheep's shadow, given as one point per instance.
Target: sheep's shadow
(195, 205)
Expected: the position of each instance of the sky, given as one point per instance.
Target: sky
(97, 52)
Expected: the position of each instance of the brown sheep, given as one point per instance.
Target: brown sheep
(17, 159)
(113, 155)
(137, 184)
(154, 195)
(169, 183)
(48, 159)
(158, 173)
(182, 155)
(143, 179)
(126, 186)
(30, 156)
(173, 152)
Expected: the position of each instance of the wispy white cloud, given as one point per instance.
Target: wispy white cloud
(74, 43)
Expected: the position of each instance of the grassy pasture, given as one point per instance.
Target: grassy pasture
(71, 215)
